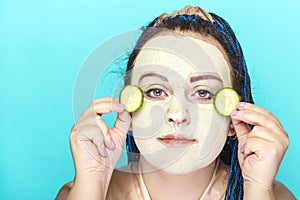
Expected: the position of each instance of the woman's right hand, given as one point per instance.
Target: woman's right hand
(96, 150)
(95, 147)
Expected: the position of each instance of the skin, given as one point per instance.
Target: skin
(186, 73)
(260, 153)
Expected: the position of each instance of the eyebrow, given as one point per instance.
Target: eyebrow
(152, 74)
(204, 77)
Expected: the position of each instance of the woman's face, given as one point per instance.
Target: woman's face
(177, 129)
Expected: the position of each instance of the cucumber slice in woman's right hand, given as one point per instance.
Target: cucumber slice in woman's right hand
(132, 98)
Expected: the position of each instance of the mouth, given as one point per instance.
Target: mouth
(173, 140)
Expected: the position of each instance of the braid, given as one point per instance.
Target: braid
(132, 150)
(197, 20)
(187, 10)
(235, 180)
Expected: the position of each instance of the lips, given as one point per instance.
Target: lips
(174, 140)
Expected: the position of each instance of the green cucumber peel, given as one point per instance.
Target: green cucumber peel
(132, 97)
(225, 101)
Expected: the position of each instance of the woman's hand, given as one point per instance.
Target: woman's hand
(96, 148)
(260, 149)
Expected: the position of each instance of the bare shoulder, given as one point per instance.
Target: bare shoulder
(64, 191)
(282, 192)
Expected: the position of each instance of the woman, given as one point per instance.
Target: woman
(179, 146)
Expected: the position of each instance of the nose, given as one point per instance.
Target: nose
(177, 120)
(177, 112)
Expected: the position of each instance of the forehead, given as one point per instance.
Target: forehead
(183, 55)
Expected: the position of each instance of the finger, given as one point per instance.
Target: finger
(92, 150)
(242, 130)
(256, 118)
(264, 133)
(92, 139)
(89, 120)
(258, 109)
(257, 146)
(102, 106)
(120, 128)
(93, 116)
(99, 122)
(108, 141)
(110, 105)
(281, 141)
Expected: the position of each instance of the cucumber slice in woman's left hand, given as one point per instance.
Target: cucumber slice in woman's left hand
(225, 101)
(132, 98)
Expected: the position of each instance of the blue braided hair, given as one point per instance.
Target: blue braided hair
(219, 29)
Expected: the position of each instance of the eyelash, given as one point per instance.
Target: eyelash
(207, 97)
(150, 93)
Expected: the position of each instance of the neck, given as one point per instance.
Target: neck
(163, 185)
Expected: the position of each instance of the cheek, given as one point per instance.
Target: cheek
(148, 121)
(209, 122)
(207, 118)
(205, 113)
(213, 129)
(202, 118)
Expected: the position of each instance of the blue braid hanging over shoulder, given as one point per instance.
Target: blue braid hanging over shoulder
(220, 30)
(234, 48)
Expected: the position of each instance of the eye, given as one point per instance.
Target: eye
(204, 94)
(155, 93)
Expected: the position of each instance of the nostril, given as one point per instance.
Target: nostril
(170, 120)
(179, 121)
(185, 121)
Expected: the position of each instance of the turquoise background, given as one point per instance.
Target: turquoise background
(44, 43)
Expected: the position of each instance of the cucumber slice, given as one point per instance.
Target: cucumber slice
(225, 101)
(132, 98)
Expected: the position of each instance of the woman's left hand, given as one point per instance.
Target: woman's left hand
(260, 149)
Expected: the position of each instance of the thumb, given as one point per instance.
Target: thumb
(120, 129)
(241, 129)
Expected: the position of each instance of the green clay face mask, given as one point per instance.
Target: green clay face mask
(178, 129)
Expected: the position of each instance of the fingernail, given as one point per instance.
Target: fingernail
(116, 100)
(234, 113)
(120, 105)
(104, 152)
(113, 144)
(242, 147)
(241, 104)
